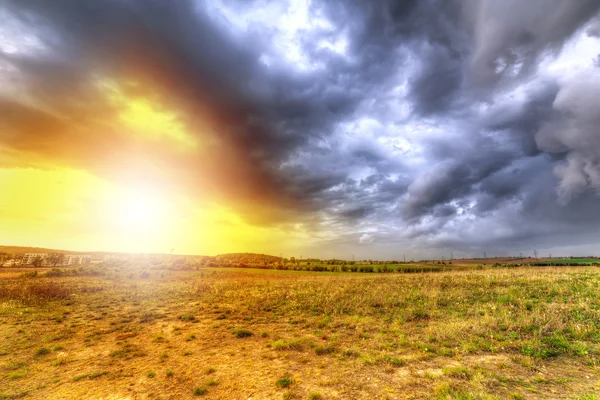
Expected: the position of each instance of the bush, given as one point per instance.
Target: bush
(284, 381)
(42, 351)
(327, 349)
(187, 317)
(200, 390)
(242, 333)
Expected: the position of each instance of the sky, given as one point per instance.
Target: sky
(315, 128)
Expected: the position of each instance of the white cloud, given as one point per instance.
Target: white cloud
(366, 239)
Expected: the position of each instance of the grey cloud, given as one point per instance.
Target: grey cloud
(519, 121)
(453, 178)
(575, 131)
(438, 80)
(509, 35)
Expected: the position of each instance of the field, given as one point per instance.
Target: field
(216, 333)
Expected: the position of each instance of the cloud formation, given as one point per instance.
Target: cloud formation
(432, 125)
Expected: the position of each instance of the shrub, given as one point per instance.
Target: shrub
(200, 390)
(242, 333)
(327, 349)
(42, 351)
(350, 353)
(291, 344)
(187, 317)
(284, 381)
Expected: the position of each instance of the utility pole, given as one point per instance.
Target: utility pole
(535, 253)
(484, 255)
(404, 255)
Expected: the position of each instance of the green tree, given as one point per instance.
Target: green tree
(56, 258)
(37, 262)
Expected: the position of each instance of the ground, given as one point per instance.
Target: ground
(142, 333)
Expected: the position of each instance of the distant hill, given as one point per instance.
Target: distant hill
(25, 249)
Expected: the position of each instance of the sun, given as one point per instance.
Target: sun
(139, 210)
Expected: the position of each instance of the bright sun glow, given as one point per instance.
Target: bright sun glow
(133, 216)
(143, 215)
(139, 210)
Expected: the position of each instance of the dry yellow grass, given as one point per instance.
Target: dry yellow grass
(239, 334)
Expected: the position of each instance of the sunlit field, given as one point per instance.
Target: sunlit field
(133, 333)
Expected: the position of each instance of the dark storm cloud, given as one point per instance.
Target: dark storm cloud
(348, 143)
(438, 80)
(521, 120)
(476, 161)
(429, 31)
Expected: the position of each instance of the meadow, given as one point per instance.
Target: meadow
(224, 333)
